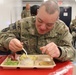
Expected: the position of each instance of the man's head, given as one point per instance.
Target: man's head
(34, 9)
(27, 6)
(48, 14)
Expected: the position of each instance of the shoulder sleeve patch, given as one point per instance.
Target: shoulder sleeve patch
(12, 26)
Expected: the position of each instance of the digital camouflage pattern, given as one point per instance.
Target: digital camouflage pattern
(73, 27)
(73, 31)
(25, 13)
(25, 31)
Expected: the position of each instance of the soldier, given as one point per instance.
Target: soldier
(73, 30)
(26, 12)
(41, 34)
(73, 25)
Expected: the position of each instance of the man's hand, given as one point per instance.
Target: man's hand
(13, 56)
(15, 45)
(51, 49)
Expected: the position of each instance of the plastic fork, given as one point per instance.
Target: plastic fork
(25, 51)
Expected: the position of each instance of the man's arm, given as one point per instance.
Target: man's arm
(23, 14)
(65, 44)
(6, 35)
(61, 48)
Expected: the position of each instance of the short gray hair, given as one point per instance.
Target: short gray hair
(51, 6)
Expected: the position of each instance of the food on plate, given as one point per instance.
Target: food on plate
(11, 62)
(30, 60)
(22, 57)
(45, 63)
(24, 60)
(27, 62)
(32, 57)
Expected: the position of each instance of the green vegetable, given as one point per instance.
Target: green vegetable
(11, 62)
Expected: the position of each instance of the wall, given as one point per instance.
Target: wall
(10, 11)
(71, 4)
(64, 4)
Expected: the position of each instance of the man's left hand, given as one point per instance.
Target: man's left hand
(51, 49)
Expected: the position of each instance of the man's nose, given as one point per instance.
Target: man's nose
(43, 26)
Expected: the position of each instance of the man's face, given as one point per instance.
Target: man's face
(44, 21)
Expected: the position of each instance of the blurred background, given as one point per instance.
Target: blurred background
(10, 10)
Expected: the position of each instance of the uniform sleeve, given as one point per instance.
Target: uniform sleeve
(73, 26)
(6, 35)
(22, 14)
(25, 13)
(28, 13)
(65, 44)
(73, 29)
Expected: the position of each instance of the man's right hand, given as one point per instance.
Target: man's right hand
(15, 45)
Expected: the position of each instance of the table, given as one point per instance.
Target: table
(61, 68)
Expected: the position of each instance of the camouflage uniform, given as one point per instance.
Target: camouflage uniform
(73, 30)
(73, 25)
(25, 13)
(25, 31)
